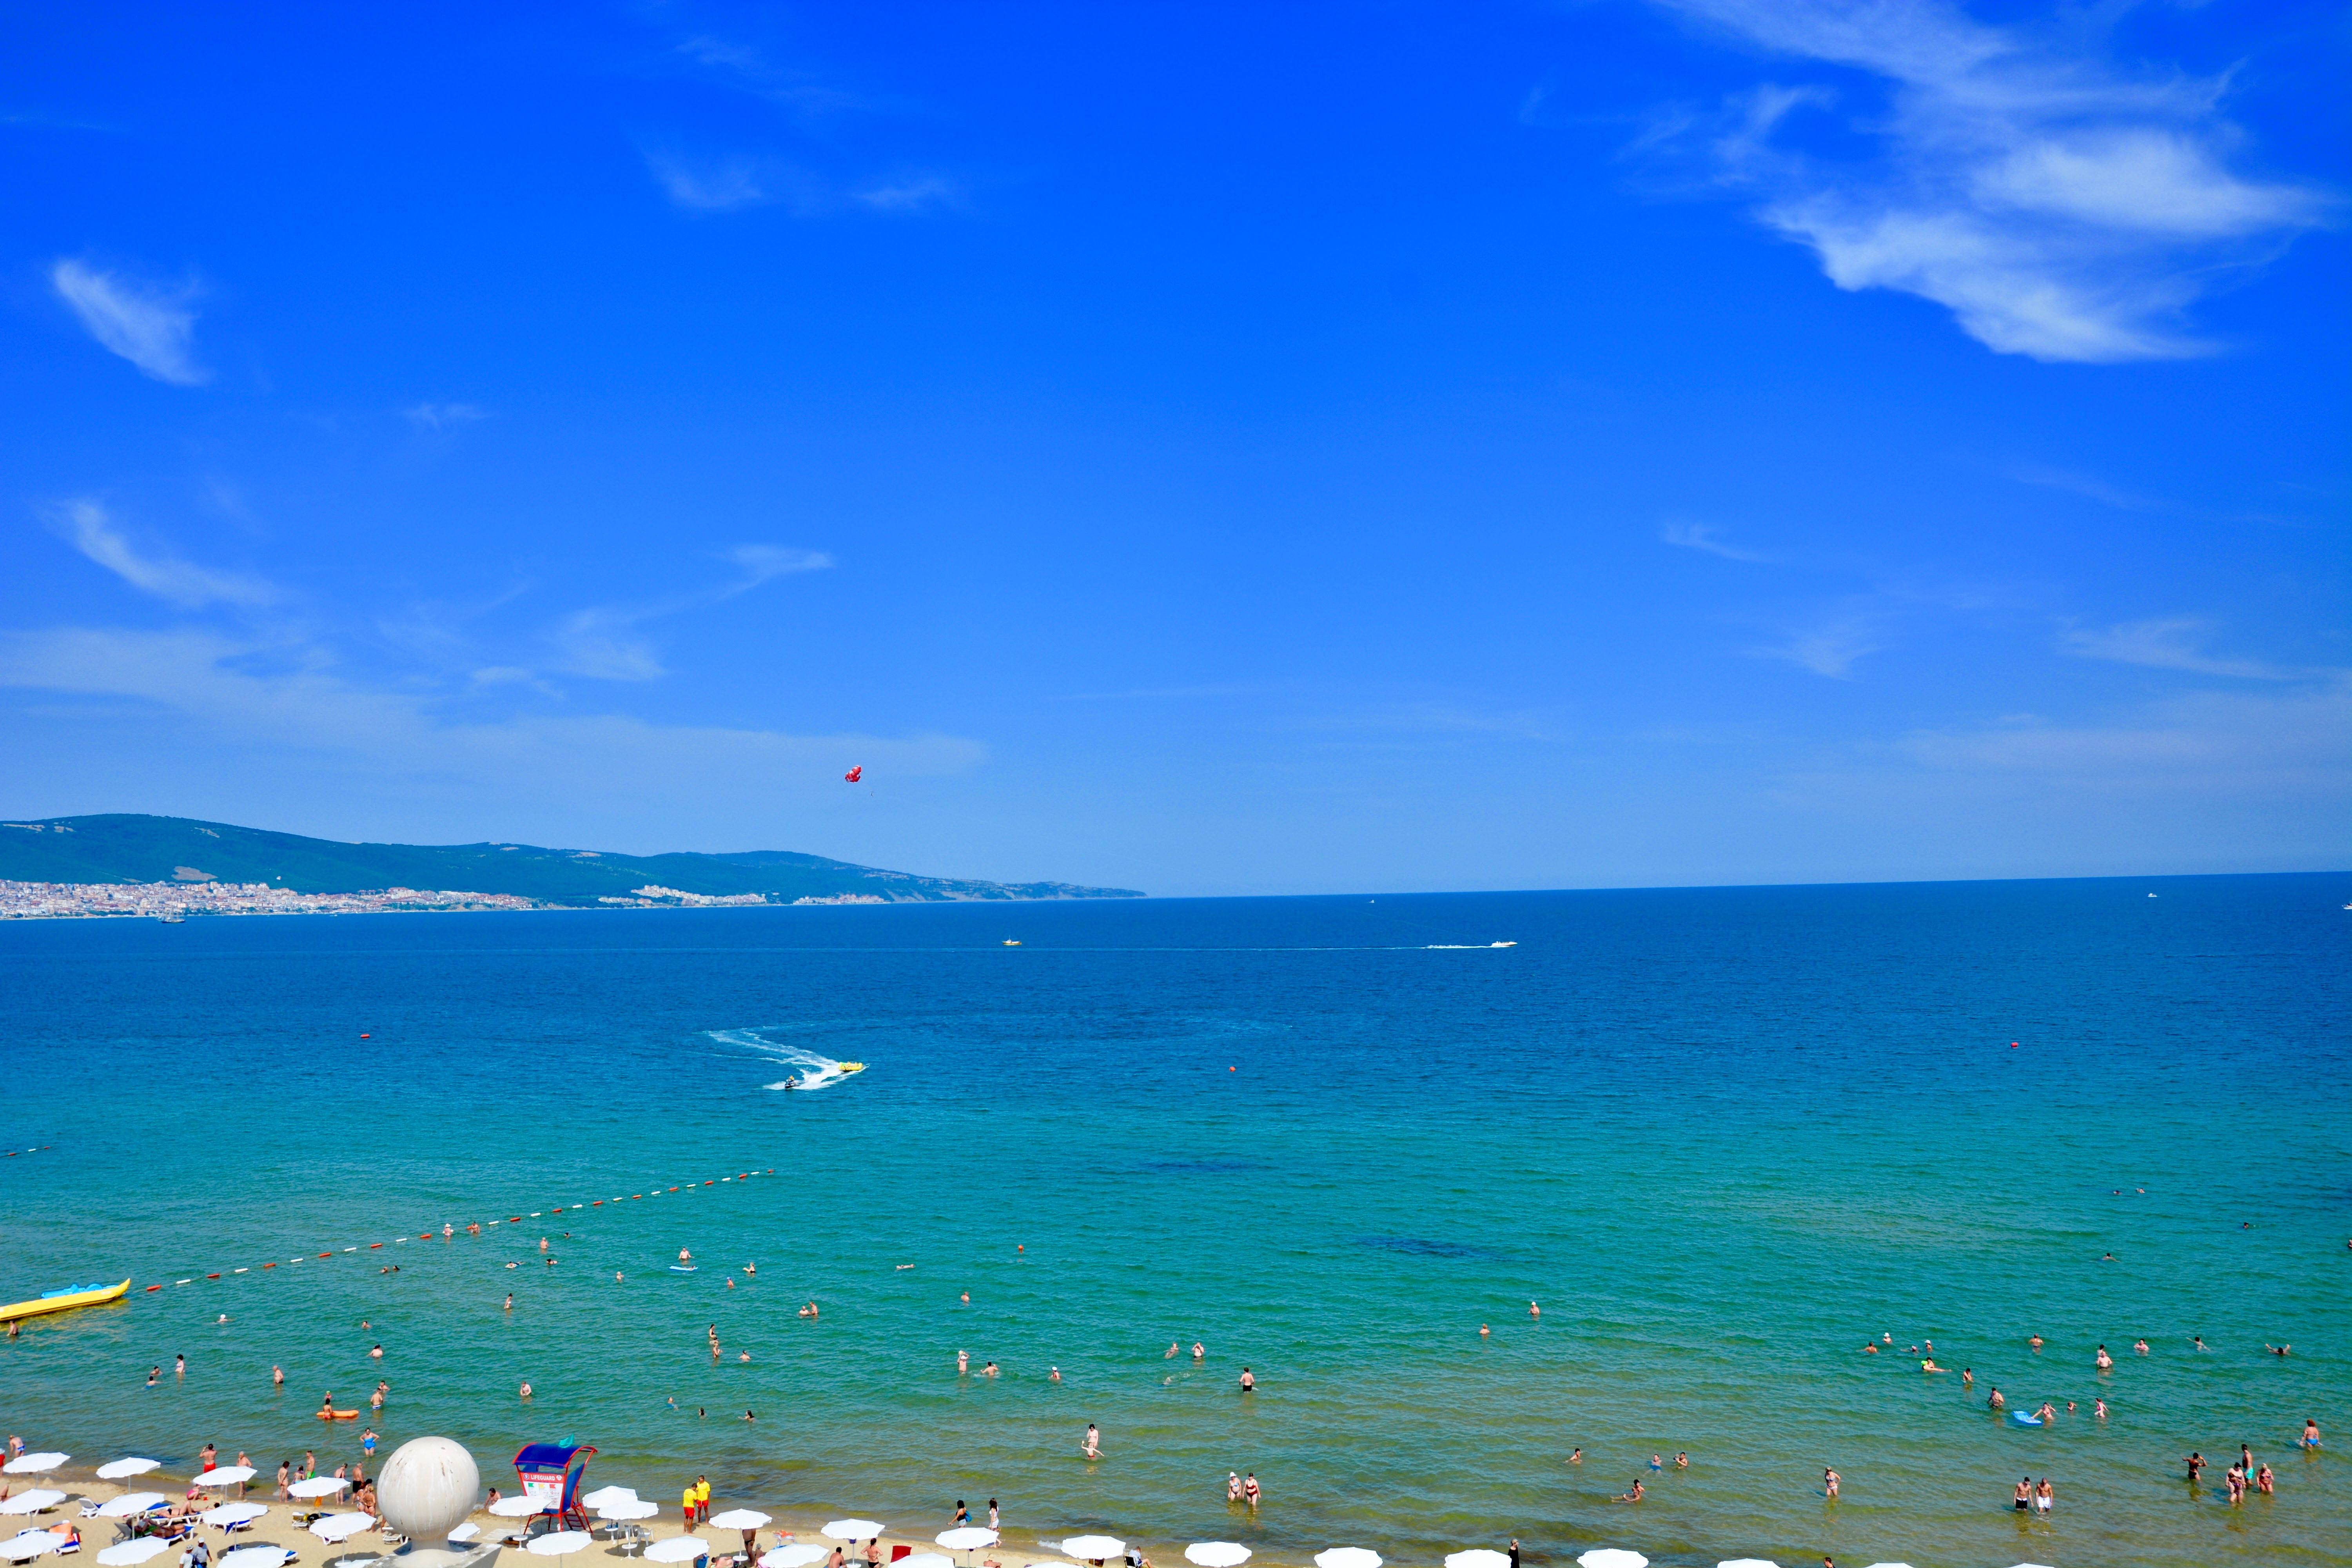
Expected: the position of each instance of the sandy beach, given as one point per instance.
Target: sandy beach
(278, 1526)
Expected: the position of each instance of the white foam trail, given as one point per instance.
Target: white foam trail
(814, 1072)
(1465, 946)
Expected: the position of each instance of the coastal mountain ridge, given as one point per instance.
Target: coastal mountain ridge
(118, 847)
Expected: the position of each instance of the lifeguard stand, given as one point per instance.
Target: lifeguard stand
(550, 1474)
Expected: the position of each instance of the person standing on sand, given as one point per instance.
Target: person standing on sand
(285, 1478)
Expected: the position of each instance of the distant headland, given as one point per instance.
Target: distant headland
(128, 864)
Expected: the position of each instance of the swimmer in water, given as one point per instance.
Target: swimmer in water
(2103, 1360)
(1199, 1350)
(2141, 1346)
(1534, 1310)
(1053, 1374)
(963, 1362)
(1830, 1480)
(1172, 1352)
(2034, 1339)
(682, 1254)
(2099, 1408)
(1248, 1381)
(509, 1306)
(1577, 1458)
(1632, 1495)
(2310, 1438)
(526, 1391)
(1929, 1366)
(1482, 1331)
(1092, 1448)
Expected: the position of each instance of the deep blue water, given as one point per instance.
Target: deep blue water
(1721, 1135)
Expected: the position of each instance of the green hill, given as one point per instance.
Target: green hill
(122, 848)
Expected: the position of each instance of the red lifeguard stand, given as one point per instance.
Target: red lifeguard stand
(550, 1474)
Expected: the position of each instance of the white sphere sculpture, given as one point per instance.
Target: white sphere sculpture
(428, 1486)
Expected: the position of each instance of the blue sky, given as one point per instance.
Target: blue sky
(1207, 449)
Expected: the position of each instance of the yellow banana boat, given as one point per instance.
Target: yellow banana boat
(847, 1067)
(60, 1300)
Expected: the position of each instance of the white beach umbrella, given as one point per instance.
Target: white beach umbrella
(31, 1544)
(33, 1502)
(793, 1557)
(318, 1486)
(1749, 1562)
(966, 1538)
(851, 1529)
(1612, 1557)
(233, 1513)
(559, 1543)
(603, 1496)
(678, 1549)
(123, 1470)
(923, 1559)
(130, 1503)
(254, 1557)
(1890, 1565)
(738, 1518)
(1093, 1548)
(226, 1475)
(518, 1507)
(1477, 1557)
(626, 1509)
(1347, 1557)
(340, 1526)
(1216, 1554)
(130, 1553)
(33, 1464)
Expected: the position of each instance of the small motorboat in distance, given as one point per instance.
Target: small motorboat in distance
(1016, 941)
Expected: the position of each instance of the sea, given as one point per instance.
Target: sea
(1722, 1138)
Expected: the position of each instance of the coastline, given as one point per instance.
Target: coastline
(1016, 1548)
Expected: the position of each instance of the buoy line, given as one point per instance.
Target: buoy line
(451, 1229)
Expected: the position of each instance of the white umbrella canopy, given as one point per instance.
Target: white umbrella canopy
(561, 1543)
(518, 1507)
(226, 1475)
(318, 1486)
(340, 1526)
(233, 1513)
(1093, 1548)
(254, 1557)
(130, 1553)
(33, 1502)
(1477, 1557)
(1890, 1565)
(793, 1557)
(33, 1464)
(738, 1518)
(626, 1509)
(678, 1549)
(1611, 1557)
(851, 1529)
(1217, 1554)
(31, 1544)
(123, 1470)
(966, 1538)
(603, 1496)
(923, 1559)
(130, 1503)
(1347, 1557)
(1749, 1562)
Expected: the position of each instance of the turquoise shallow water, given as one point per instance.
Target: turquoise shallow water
(1721, 1135)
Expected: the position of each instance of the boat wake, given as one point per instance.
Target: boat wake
(1464, 946)
(808, 1070)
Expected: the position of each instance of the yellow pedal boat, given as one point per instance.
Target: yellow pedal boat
(59, 1300)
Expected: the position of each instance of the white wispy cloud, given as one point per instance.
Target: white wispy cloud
(606, 642)
(441, 416)
(2289, 743)
(2062, 206)
(762, 563)
(92, 530)
(152, 328)
(913, 194)
(219, 692)
(2178, 643)
(713, 187)
(1706, 537)
(1831, 649)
